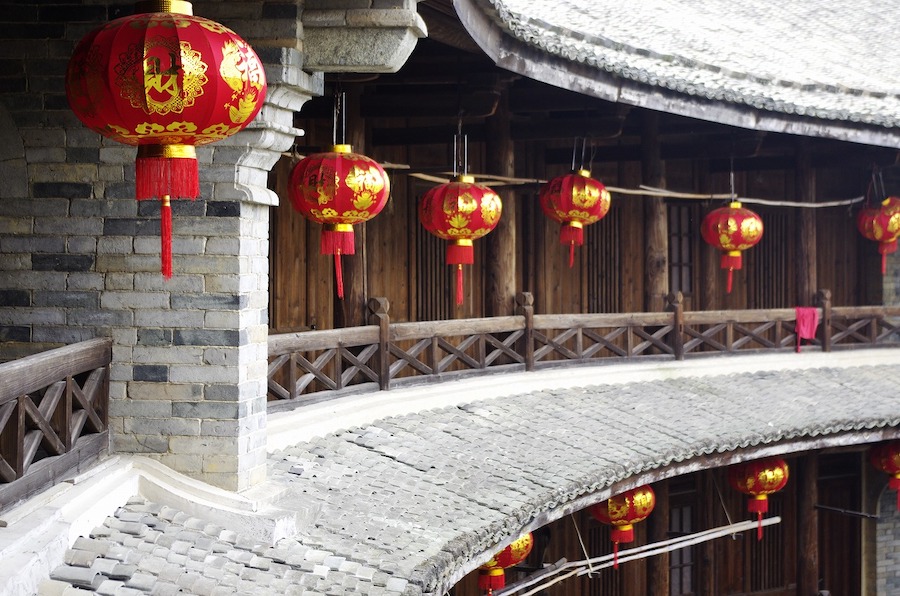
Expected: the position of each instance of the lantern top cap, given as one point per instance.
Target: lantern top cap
(176, 6)
(342, 148)
(735, 204)
(583, 172)
(467, 178)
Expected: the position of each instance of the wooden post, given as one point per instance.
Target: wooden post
(808, 526)
(525, 302)
(658, 528)
(500, 244)
(806, 229)
(351, 311)
(823, 298)
(378, 315)
(292, 376)
(676, 305)
(656, 261)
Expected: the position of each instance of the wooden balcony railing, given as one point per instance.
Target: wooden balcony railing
(311, 366)
(53, 416)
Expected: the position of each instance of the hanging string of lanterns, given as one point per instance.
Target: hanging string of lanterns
(492, 575)
(165, 81)
(621, 512)
(460, 211)
(759, 479)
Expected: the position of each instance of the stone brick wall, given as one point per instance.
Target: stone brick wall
(80, 256)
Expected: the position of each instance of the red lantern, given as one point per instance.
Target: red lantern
(759, 479)
(574, 200)
(165, 81)
(339, 189)
(492, 575)
(886, 457)
(882, 225)
(622, 512)
(732, 229)
(460, 211)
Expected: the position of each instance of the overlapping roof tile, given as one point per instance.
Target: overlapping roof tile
(826, 59)
(409, 502)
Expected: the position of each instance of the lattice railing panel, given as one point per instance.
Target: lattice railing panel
(49, 402)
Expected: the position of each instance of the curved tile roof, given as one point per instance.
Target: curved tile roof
(410, 503)
(821, 59)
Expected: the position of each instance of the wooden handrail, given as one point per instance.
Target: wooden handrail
(403, 353)
(37, 371)
(57, 399)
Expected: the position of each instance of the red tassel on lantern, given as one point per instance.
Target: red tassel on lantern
(621, 512)
(460, 211)
(165, 81)
(165, 234)
(759, 479)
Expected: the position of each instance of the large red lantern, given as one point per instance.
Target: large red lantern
(338, 189)
(759, 479)
(881, 224)
(621, 512)
(460, 211)
(574, 200)
(165, 81)
(886, 457)
(492, 575)
(732, 229)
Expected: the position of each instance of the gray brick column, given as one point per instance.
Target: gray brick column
(189, 379)
(887, 545)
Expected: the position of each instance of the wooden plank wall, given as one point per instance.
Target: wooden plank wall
(403, 262)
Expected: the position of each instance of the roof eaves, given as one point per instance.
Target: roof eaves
(600, 67)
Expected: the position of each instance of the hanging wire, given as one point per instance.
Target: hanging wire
(881, 195)
(587, 557)
(465, 139)
(339, 117)
(574, 149)
(551, 576)
(722, 503)
(731, 177)
(591, 158)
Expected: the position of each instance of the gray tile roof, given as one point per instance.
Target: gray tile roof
(408, 504)
(825, 59)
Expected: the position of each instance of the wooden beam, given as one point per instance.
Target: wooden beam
(656, 229)
(352, 310)
(807, 280)
(500, 245)
(425, 135)
(658, 528)
(431, 103)
(808, 526)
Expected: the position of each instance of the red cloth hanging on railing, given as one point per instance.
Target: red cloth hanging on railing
(807, 322)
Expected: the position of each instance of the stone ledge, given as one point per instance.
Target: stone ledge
(360, 40)
(38, 532)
